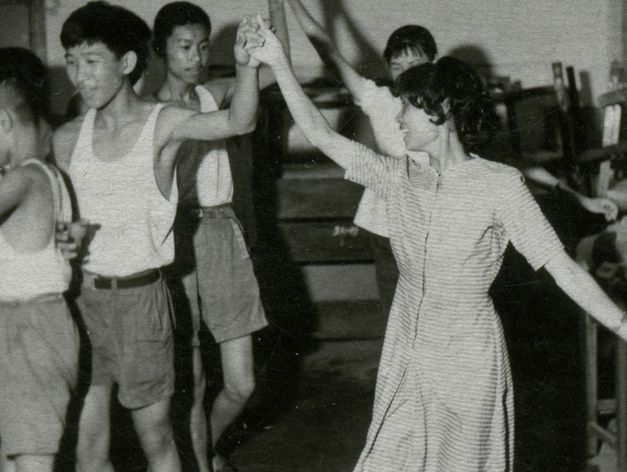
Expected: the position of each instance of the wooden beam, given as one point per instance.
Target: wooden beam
(317, 198)
(37, 18)
(325, 242)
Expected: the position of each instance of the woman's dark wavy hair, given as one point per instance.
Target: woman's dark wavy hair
(116, 27)
(176, 14)
(453, 84)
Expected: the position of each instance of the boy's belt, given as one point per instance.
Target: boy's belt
(219, 211)
(107, 283)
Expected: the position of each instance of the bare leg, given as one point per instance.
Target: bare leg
(154, 430)
(198, 417)
(34, 463)
(92, 451)
(239, 383)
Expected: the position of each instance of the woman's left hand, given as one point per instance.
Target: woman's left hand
(602, 206)
(268, 51)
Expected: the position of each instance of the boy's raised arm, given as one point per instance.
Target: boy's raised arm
(276, 8)
(327, 50)
(240, 117)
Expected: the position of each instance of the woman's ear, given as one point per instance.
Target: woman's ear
(450, 122)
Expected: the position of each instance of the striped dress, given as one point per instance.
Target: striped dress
(444, 399)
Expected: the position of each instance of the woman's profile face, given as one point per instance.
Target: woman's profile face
(419, 131)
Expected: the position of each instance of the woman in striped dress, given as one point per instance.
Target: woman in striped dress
(444, 395)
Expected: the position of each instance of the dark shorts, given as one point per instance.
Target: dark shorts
(217, 275)
(38, 368)
(130, 331)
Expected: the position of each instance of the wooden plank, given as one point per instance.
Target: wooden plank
(613, 97)
(317, 198)
(325, 242)
(347, 320)
(318, 170)
(592, 393)
(621, 405)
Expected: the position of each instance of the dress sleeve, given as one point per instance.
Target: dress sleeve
(372, 98)
(372, 170)
(525, 224)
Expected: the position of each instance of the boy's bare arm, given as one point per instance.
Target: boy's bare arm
(327, 50)
(14, 188)
(178, 124)
(241, 117)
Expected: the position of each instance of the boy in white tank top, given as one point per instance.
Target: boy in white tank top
(38, 339)
(121, 158)
(212, 263)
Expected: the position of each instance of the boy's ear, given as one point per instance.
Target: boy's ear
(129, 61)
(6, 121)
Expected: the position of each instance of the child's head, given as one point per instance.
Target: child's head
(409, 46)
(181, 38)
(24, 131)
(104, 44)
(450, 92)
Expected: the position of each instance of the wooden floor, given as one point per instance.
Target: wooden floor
(316, 375)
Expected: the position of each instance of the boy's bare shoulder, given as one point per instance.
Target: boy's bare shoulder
(219, 88)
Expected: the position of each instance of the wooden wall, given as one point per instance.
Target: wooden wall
(503, 37)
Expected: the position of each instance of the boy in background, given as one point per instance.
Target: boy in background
(212, 258)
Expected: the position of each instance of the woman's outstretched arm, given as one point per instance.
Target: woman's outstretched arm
(581, 287)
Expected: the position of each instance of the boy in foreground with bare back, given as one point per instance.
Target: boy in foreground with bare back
(121, 158)
(38, 339)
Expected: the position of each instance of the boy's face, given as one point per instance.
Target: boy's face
(406, 59)
(96, 72)
(187, 53)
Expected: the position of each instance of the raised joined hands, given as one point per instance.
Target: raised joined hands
(269, 50)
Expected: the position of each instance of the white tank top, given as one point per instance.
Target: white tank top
(29, 275)
(204, 171)
(122, 197)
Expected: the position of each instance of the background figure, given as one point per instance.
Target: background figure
(212, 257)
(444, 390)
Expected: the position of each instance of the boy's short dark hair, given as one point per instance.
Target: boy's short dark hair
(176, 14)
(24, 72)
(119, 29)
(412, 37)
